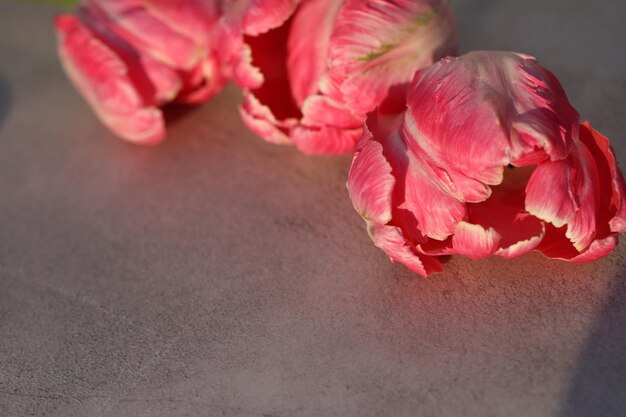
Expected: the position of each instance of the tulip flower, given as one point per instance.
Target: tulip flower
(128, 58)
(312, 70)
(488, 158)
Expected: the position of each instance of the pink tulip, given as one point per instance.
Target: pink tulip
(311, 70)
(488, 158)
(128, 58)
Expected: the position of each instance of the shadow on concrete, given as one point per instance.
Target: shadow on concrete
(599, 384)
(175, 112)
(5, 99)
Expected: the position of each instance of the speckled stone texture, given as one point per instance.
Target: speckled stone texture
(217, 275)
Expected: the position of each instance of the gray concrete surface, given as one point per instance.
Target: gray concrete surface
(217, 275)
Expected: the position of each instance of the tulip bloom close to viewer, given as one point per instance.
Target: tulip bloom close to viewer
(311, 80)
(489, 158)
(129, 57)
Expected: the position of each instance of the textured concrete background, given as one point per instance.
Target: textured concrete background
(219, 275)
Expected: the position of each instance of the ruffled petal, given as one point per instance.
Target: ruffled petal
(597, 250)
(102, 78)
(566, 192)
(370, 183)
(156, 82)
(484, 110)
(260, 120)
(235, 56)
(256, 17)
(419, 200)
(379, 43)
(324, 140)
(270, 110)
(195, 19)
(321, 110)
(474, 241)
(308, 45)
(132, 21)
(556, 245)
(455, 182)
(526, 232)
(612, 185)
(201, 83)
(391, 241)
(504, 212)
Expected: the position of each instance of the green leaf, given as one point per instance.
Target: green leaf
(62, 3)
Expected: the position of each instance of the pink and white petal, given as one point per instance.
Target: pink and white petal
(325, 140)
(130, 20)
(524, 243)
(260, 119)
(152, 80)
(436, 212)
(264, 15)
(419, 201)
(195, 19)
(556, 245)
(612, 185)
(370, 183)
(255, 17)
(321, 110)
(202, 83)
(167, 83)
(505, 213)
(308, 45)
(102, 78)
(269, 54)
(598, 249)
(391, 241)
(144, 126)
(454, 181)
(432, 247)
(566, 192)
(379, 43)
(474, 241)
(155, 81)
(485, 110)
(235, 56)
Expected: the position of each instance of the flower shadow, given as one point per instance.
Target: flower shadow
(599, 384)
(5, 99)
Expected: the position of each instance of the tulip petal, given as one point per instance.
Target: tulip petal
(321, 110)
(480, 112)
(556, 245)
(102, 77)
(324, 140)
(380, 43)
(435, 211)
(370, 183)
(454, 181)
(612, 185)
(195, 19)
(504, 212)
(421, 206)
(236, 57)
(597, 250)
(566, 192)
(474, 241)
(308, 45)
(156, 82)
(256, 17)
(132, 21)
(391, 241)
(272, 102)
(201, 83)
(260, 119)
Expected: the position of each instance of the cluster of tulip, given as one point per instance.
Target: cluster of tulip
(476, 155)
